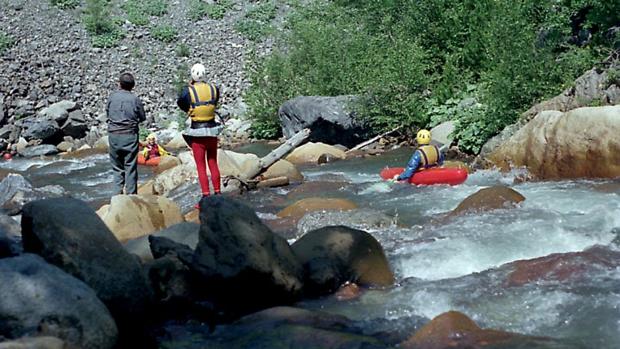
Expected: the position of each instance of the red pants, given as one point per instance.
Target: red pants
(202, 146)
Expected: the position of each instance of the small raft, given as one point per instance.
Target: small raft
(435, 175)
(150, 162)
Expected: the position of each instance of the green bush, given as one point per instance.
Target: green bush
(138, 11)
(165, 33)
(182, 50)
(5, 42)
(199, 9)
(103, 28)
(256, 23)
(413, 63)
(65, 4)
(181, 77)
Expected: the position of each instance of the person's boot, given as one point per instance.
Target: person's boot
(197, 206)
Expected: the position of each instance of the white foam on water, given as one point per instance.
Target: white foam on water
(266, 216)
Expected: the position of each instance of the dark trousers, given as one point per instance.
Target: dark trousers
(124, 159)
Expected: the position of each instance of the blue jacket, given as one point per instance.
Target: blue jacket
(414, 163)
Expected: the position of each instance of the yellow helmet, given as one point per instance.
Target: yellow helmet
(152, 136)
(423, 137)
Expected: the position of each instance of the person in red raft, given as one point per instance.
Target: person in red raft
(152, 152)
(199, 100)
(426, 156)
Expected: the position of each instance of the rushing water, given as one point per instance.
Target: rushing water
(448, 264)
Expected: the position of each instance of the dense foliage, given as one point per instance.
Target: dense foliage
(417, 63)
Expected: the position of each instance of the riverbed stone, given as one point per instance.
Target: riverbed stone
(184, 233)
(332, 256)
(69, 234)
(39, 150)
(283, 168)
(454, 329)
(236, 252)
(563, 267)
(37, 298)
(298, 209)
(16, 191)
(167, 162)
(355, 218)
(581, 143)
(487, 199)
(310, 153)
(43, 342)
(133, 216)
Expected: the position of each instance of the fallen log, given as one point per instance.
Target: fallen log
(372, 140)
(280, 152)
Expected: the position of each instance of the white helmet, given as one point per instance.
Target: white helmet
(198, 72)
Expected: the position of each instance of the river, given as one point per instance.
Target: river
(445, 264)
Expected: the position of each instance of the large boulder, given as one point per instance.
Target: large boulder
(488, 199)
(70, 235)
(16, 191)
(43, 342)
(236, 252)
(58, 112)
(39, 150)
(167, 162)
(328, 118)
(9, 242)
(356, 218)
(555, 145)
(37, 298)
(132, 216)
(298, 209)
(283, 168)
(310, 153)
(185, 233)
(75, 125)
(332, 256)
(241, 165)
(45, 130)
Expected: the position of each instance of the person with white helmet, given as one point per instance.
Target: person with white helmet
(424, 157)
(199, 100)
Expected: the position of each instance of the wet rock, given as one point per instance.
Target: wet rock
(328, 118)
(236, 253)
(65, 146)
(311, 152)
(70, 235)
(133, 216)
(283, 168)
(10, 225)
(75, 126)
(332, 256)
(58, 112)
(167, 162)
(16, 191)
(244, 166)
(284, 327)
(562, 267)
(45, 342)
(355, 218)
(10, 244)
(348, 291)
(487, 199)
(102, 144)
(39, 150)
(185, 233)
(554, 145)
(301, 207)
(40, 299)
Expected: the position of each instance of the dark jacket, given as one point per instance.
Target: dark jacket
(125, 111)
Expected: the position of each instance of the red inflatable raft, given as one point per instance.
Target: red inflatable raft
(435, 175)
(150, 162)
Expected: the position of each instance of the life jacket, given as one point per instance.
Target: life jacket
(430, 156)
(160, 151)
(203, 100)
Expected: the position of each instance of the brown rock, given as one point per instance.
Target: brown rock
(192, 216)
(311, 152)
(283, 168)
(455, 330)
(457, 164)
(273, 182)
(301, 207)
(167, 162)
(554, 145)
(487, 199)
(562, 266)
(132, 216)
(147, 188)
(348, 291)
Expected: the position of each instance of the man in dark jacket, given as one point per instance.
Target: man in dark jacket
(125, 111)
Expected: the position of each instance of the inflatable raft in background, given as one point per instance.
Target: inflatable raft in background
(150, 162)
(435, 175)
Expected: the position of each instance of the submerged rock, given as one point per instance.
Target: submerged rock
(310, 153)
(487, 199)
(297, 210)
(40, 299)
(16, 191)
(332, 256)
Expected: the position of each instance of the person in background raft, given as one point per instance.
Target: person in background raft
(151, 149)
(125, 111)
(199, 99)
(424, 157)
